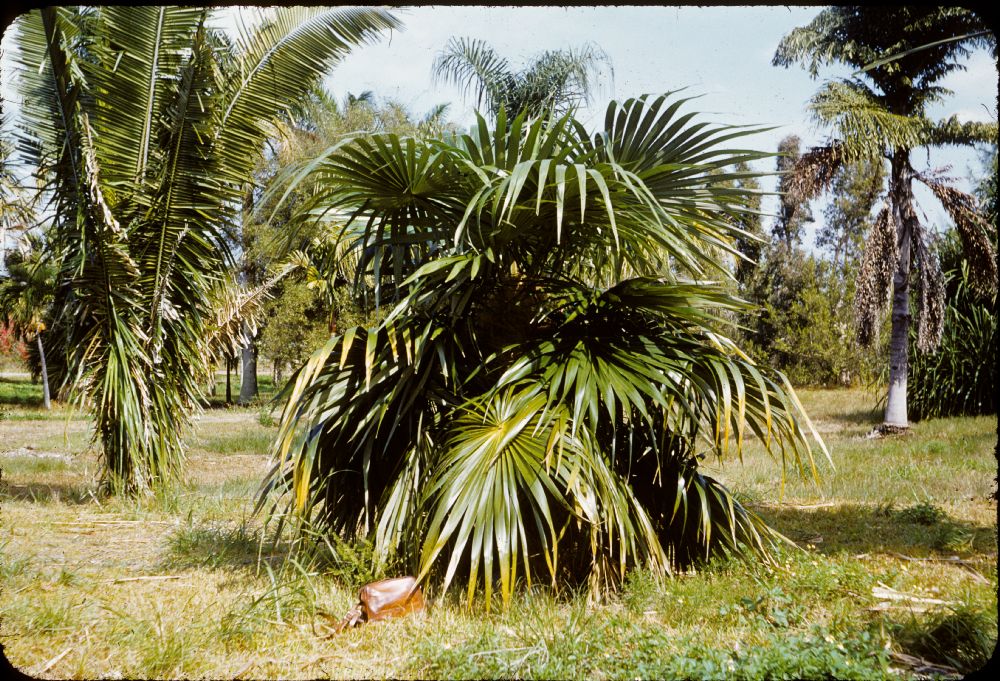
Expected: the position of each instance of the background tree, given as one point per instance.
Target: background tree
(793, 210)
(881, 117)
(537, 400)
(314, 124)
(148, 124)
(554, 81)
(751, 238)
(26, 295)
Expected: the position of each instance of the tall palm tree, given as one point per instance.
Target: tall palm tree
(881, 116)
(555, 80)
(148, 123)
(538, 398)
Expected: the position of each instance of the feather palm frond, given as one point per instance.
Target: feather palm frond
(864, 125)
(148, 122)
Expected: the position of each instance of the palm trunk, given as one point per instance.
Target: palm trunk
(248, 384)
(229, 385)
(902, 205)
(45, 372)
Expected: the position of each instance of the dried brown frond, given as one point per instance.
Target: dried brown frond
(930, 296)
(238, 310)
(875, 276)
(975, 230)
(813, 172)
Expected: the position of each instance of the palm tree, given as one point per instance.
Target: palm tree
(881, 117)
(556, 80)
(148, 123)
(539, 396)
(26, 298)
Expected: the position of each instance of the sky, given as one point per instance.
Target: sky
(720, 54)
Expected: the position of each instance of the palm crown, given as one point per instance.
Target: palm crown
(148, 123)
(881, 118)
(536, 400)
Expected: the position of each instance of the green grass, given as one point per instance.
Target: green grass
(249, 441)
(169, 586)
(19, 390)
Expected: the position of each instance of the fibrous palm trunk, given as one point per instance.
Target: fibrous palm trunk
(901, 192)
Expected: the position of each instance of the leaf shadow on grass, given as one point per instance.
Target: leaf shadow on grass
(864, 529)
(220, 547)
(858, 417)
(42, 492)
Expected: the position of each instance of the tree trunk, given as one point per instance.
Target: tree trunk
(902, 205)
(248, 384)
(45, 372)
(229, 385)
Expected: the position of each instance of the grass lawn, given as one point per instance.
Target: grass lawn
(895, 574)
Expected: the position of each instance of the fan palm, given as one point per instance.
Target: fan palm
(556, 80)
(148, 123)
(882, 118)
(538, 398)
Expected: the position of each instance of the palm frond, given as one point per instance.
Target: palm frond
(138, 52)
(237, 312)
(953, 131)
(865, 126)
(472, 64)
(978, 235)
(501, 489)
(814, 172)
(287, 51)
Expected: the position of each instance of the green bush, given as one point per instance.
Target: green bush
(805, 322)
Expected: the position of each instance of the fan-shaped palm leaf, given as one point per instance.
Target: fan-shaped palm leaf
(535, 401)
